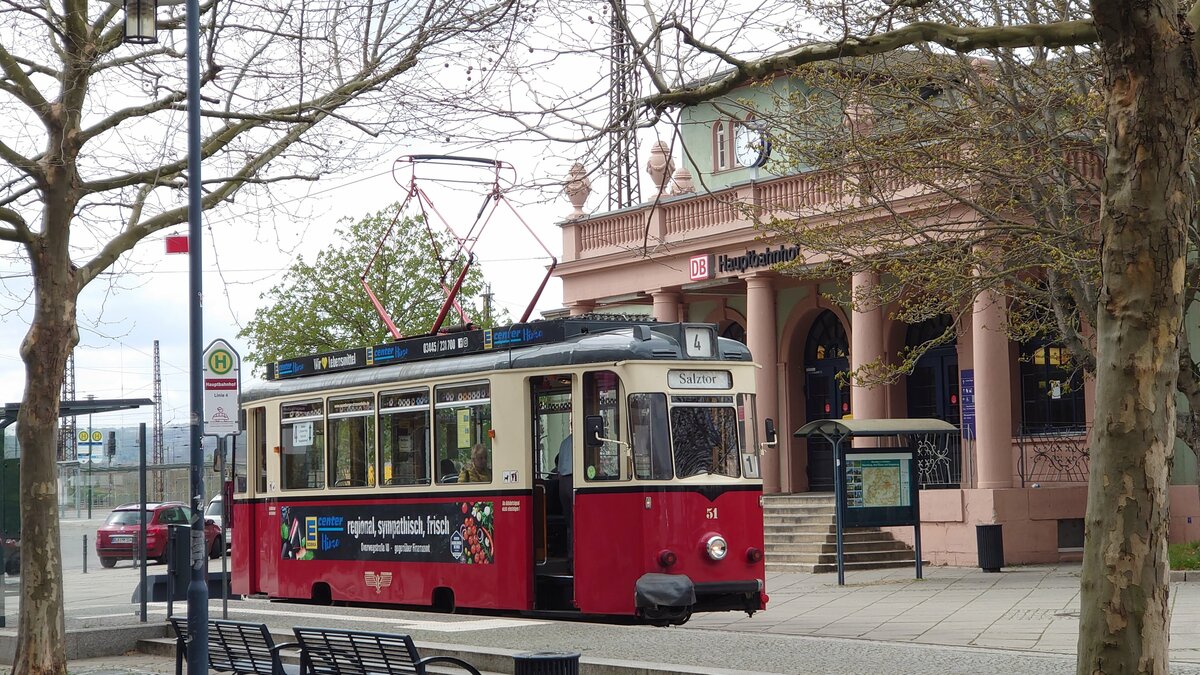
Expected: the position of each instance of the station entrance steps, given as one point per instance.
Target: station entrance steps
(801, 536)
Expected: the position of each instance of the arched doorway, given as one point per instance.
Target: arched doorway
(826, 353)
(933, 393)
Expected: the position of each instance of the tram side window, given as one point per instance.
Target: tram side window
(601, 395)
(404, 437)
(462, 420)
(650, 436)
(303, 443)
(352, 442)
(705, 435)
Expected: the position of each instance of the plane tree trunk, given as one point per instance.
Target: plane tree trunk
(45, 350)
(1150, 81)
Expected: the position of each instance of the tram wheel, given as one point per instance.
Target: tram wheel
(322, 595)
(443, 600)
(667, 616)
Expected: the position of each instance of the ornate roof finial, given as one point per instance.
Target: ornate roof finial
(660, 165)
(578, 188)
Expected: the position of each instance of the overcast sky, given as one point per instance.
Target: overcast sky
(121, 316)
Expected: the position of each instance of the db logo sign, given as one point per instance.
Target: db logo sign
(701, 267)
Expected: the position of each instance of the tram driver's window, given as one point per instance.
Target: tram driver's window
(352, 441)
(601, 396)
(705, 435)
(650, 436)
(302, 437)
(257, 421)
(462, 420)
(404, 437)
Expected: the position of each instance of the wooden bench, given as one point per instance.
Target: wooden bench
(235, 647)
(332, 651)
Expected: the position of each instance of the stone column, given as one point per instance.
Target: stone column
(763, 343)
(866, 346)
(993, 393)
(666, 305)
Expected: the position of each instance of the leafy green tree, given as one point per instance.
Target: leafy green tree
(322, 306)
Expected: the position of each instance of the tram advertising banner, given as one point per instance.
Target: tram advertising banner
(448, 532)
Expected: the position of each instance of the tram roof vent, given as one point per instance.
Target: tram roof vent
(641, 333)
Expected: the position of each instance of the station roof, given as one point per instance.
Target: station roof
(78, 408)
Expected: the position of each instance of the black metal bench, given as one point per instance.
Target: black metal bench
(235, 647)
(332, 651)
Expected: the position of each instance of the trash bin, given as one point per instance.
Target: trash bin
(179, 560)
(990, 542)
(546, 663)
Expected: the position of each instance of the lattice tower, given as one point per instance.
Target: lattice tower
(158, 426)
(66, 425)
(624, 185)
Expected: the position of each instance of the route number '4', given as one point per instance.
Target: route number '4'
(710, 513)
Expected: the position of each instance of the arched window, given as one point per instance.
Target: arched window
(1051, 389)
(733, 330)
(721, 132)
(827, 339)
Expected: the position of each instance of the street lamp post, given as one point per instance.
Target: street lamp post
(91, 459)
(141, 28)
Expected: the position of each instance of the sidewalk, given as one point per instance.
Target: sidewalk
(1023, 619)
(1030, 608)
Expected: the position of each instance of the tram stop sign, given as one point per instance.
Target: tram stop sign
(222, 385)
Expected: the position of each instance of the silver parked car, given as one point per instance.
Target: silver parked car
(216, 513)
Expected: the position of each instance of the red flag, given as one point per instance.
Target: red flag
(177, 243)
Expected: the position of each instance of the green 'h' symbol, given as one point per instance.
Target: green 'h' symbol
(220, 362)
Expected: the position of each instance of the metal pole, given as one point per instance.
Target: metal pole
(3, 532)
(91, 461)
(227, 505)
(85, 554)
(197, 653)
(839, 495)
(142, 519)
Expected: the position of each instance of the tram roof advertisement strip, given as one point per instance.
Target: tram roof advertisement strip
(424, 347)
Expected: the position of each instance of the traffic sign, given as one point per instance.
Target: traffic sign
(222, 386)
(95, 438)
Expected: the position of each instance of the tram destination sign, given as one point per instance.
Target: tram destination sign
(442, 345)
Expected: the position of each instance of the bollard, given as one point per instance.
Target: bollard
(85, 554)
(546, 663)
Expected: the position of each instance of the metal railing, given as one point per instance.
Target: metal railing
(1050, 455)
(111, 487)
(939, 460)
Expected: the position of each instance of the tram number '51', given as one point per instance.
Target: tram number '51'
(710, 513)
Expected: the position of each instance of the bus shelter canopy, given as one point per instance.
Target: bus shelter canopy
(843, 428)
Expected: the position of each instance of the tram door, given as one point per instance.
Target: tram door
(550, 434)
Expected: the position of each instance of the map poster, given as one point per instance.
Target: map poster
(878, 480)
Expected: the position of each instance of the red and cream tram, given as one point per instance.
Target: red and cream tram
(428, 472)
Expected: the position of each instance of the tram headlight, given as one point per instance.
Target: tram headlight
(717, 547)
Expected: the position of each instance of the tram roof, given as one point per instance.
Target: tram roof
(651, 342)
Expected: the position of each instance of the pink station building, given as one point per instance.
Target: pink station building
(689, 253)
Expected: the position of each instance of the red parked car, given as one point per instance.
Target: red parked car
(117, 538)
